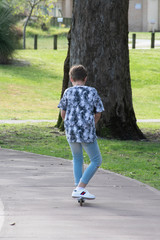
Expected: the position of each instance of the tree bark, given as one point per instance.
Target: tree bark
(99, 41)
(65, 84)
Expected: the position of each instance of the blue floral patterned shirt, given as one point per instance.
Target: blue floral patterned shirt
(80, 104)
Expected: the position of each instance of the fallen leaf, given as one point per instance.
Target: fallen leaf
(12, 224)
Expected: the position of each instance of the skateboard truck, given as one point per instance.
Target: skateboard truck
(81, 200)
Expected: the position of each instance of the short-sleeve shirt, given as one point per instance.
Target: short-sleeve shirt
(80, 104)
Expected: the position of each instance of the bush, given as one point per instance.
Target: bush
(8, 33)
(18, 32)
(44, 27)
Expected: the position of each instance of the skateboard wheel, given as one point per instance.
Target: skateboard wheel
(81, 201)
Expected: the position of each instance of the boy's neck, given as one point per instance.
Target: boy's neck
(78, 83)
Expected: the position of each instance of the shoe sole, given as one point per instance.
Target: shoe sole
(83, 197)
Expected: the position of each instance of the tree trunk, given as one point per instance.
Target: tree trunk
(99, 41)
(25, 26)
(24, 35)
(65, 84)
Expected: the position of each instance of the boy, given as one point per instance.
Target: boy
(81, 109)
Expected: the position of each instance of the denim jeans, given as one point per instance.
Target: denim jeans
(94, 154)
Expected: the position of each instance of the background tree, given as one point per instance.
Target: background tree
(32, 7)
(8, 36)
(99, 41)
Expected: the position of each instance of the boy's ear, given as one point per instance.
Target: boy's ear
(71, 80)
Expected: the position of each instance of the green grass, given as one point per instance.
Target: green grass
(33, 91)
(145, 74)
(138, 160)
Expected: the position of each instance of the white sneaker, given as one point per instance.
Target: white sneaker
(82, 193)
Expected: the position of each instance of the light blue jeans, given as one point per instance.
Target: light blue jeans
(94, 154)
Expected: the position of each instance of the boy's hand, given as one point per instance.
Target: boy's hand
(63, 113)
(97, 116)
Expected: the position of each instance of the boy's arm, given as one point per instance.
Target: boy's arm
(63, 113)
(97, 116)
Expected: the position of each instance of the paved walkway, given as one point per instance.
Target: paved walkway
(36, 203)
(149, 120)
(25, 121)
(54, 121)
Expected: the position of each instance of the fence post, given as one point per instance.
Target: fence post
(35, 41)
(55, 42)
(133, 40)
(152, 40)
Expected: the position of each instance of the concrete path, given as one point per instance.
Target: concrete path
(54, 121)
(149, 120)
(25, 121)
(36, 203)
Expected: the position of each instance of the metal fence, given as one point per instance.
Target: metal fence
(60, 41)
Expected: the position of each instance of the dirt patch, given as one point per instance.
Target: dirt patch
(153, 136)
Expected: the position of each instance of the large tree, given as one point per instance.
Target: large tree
(99, 40)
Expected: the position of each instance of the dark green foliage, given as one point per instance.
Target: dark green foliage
(8, 33)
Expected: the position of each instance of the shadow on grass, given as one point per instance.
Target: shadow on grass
(21, 69)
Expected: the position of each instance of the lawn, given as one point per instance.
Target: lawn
(145, 75)
(30, 88)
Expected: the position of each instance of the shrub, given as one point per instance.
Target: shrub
(18, 32)
(8, 34)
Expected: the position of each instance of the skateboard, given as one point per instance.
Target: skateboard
(81, 200)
